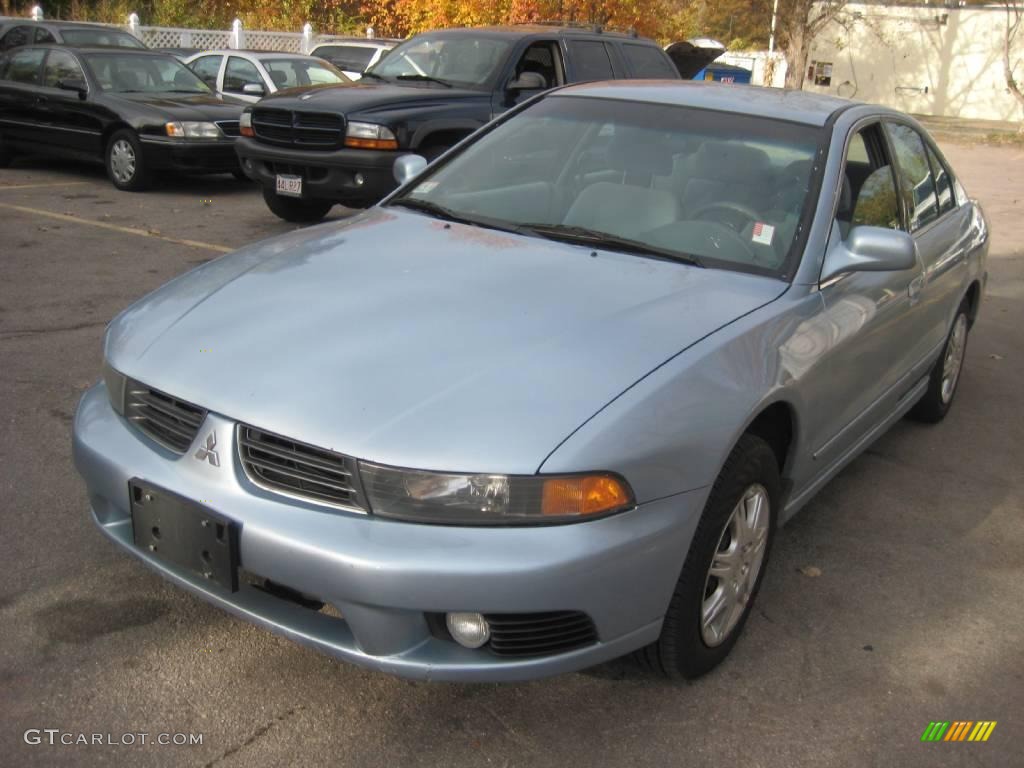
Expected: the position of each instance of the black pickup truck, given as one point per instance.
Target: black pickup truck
(310, 148)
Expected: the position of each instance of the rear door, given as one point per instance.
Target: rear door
(648, 62)
(939, 223)
(20, 80)
(589, 60)
(71, 122)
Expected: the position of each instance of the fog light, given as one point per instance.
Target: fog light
(359, 180)
(469, 630)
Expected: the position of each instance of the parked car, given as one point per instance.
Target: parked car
(17, 32)
(548, 403)
(310, 151)
(354, 55)
(251, 75)
(138, 111)
(180, 53)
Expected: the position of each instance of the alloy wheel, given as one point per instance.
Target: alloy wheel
(122, 161)
(954, 360)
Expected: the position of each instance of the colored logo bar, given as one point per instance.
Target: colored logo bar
(959, 730)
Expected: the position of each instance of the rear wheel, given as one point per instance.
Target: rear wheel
(945, 374)
(126, 166)
(294, 209)
(724, 567)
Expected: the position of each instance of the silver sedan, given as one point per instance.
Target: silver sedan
(549, 402)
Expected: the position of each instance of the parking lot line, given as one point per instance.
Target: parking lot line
(116, 228)
(5, 187)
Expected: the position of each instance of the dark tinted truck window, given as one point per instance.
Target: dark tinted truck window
(648, 61)
(590, 60)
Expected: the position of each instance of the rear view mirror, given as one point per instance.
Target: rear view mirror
(870, 249)
(253, 89)
(408, 167)
(529, 81)
(74, 84)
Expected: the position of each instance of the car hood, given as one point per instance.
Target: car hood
(368, 96)
(183, 106)
(402, 339)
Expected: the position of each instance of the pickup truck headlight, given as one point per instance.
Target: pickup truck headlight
(369, 136)
(192, 130)
(245, 124)
(477, 499)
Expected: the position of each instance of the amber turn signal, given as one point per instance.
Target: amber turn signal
(357, 143)
(584, 495)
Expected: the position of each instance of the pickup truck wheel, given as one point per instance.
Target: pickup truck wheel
(126, 166)
(294, 209)
(945, 374)
(724, 567)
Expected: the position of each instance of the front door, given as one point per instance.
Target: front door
(70, 122)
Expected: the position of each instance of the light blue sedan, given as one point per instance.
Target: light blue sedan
(549, 403)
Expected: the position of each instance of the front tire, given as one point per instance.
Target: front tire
(723, 568)
(126, 166)
(294, 209)
(945, 374)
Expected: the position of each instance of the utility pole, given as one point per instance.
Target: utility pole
(771, 37)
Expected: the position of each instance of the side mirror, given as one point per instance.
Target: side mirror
(253, 89)
(408, 167)
(871, 249)
(529, 81)
(76, 85)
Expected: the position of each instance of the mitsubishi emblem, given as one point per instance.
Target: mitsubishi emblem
(208, 452)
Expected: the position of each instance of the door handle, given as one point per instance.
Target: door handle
(914, 289)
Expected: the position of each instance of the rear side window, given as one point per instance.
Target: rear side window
(943, 183)
(916, 184)
(648, 62)
(15, 37)
(23, 66)
(590, 60)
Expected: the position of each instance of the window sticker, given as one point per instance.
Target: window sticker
(763, 233)
(425, 187)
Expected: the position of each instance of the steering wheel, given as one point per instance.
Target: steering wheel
(732, 213)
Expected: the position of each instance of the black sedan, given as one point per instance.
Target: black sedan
(137, 111)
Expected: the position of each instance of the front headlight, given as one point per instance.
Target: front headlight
(192, 130)
(369, 136)
(439, 497)
(116, 384)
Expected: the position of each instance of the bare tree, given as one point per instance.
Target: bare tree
(801, 21)
(1014, 15)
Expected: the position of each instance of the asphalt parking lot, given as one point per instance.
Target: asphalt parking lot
(895, 598)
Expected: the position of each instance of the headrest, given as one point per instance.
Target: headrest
(633, 152)
(280, 78)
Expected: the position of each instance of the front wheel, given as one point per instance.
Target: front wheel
(945, 374)
(294, 209)
(723, 568)
(126, 166)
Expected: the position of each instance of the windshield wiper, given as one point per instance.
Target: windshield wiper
(426, 206)
(598, 239)
(375, 76)
(426, 79)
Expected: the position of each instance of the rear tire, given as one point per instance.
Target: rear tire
(294, 209)
(945, 374)
(724, 567)
(126, 166)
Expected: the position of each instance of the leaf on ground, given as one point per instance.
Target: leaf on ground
(812, 571)
(996, 357)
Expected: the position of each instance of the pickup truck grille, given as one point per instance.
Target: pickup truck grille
(285, 128)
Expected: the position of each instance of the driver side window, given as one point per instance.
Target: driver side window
(545, 59)
(240, 73)
(867, 194)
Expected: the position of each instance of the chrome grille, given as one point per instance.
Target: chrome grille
(282, 464)
(171, 422)
(229, 127)
(539, 634)
(316, 130)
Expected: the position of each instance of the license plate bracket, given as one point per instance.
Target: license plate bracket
(288, 185)
(181, 532)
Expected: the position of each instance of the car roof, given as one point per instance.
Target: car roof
(257, 54)
(777, 103)
(519, 31)
(377, 42)
(118, 49)
(57, 24)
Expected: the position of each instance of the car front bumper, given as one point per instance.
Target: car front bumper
(326, 175)
(384, 576)
(190, 156)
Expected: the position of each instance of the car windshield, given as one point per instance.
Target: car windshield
(660, 180)
(288, 73)
(90, 37)
(123, 73)
(466, 61)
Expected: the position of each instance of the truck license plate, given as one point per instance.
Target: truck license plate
(288, 185)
